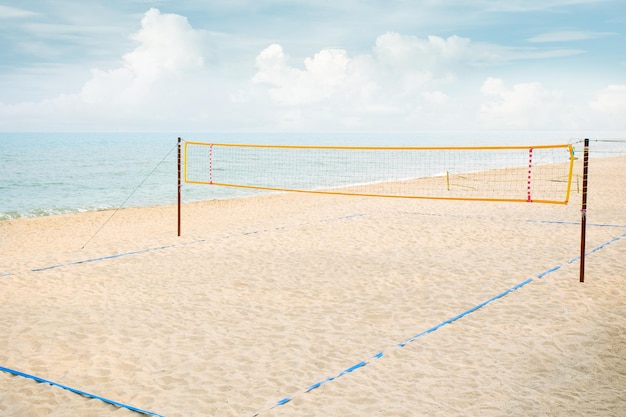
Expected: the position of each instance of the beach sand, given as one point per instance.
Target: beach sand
(263, 297)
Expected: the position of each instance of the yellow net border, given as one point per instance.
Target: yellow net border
(539, 174)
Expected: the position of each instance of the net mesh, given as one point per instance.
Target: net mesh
(529, 174)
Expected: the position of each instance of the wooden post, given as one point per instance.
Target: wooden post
(179, 183)
(583, 222)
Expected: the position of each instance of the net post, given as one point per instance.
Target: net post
(530, 173)
(583, 222)
(179, 183)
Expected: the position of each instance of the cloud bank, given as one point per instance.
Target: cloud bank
(176, 79)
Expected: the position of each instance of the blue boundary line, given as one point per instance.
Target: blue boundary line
(84, 261)
(379, 355)
(137, 252)
(119, 255)
(76, 391)
(471, 310)
(577, 223)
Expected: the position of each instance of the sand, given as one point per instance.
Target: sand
(261, 298)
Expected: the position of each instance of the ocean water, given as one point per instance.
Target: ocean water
(58, 173)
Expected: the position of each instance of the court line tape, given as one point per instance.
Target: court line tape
(137, 252)
(379, 355)
(76, 391)
(527, 221)
(119, 255)
(577, 223)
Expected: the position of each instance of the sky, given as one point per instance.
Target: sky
(313, 65)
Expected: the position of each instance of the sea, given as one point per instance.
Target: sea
(44, 174)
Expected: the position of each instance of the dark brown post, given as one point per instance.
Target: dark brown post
(179, 183)
(583, 223)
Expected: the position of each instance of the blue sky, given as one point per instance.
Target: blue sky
(313, 65)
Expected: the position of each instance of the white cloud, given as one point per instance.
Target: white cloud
(432, 53)
(523, 106)
(167, 42)
(609, 107)
(568, 36)
(399, 68)
(520, 6)
(168, 50)
(436, 97)
(158, 80)
(612, 100)
(323, 75)
(7, 12)
(406, 81)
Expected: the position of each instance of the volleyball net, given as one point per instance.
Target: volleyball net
(538, 174)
